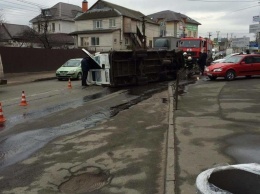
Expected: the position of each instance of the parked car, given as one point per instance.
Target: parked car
(237, 65)
(70, 69)
(223, 59)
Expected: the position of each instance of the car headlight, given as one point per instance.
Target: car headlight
(206, 69)
(217, 70)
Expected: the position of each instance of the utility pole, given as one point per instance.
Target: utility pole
(143, 29)
(217, 40)
(210, 34)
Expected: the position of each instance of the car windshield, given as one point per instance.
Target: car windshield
(190, 43)
(233, 59)
(228, 56)
(72, 63)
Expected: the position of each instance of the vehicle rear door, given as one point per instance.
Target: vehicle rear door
(256, 65)
(246, 68)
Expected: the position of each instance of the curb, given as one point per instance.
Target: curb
(170, 150)
(170, 171)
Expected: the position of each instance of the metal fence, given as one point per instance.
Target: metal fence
(183, 77)
(19, 60)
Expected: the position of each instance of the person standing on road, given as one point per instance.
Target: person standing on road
(203, 61)
(85, 66)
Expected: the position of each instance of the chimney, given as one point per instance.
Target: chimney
(84, 6)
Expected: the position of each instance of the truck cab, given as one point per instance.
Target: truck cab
(194, 46)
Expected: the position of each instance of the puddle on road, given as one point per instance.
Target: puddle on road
(20, 146)
(14, 120)
(245, 148)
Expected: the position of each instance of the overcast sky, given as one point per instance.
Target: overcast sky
(228, 17)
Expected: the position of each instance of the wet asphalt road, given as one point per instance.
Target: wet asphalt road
(217, 124)
(118, 144)
(62, 130)
(54, 110)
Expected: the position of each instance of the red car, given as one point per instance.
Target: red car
(238, 65)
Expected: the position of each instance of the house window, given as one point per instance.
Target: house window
(112, 23)
(46, 13)
(94, 41)
(126, 41)
(115, 40)
(162, 32)
(194, 34)
(150, 43)
(81, 41)
(39, 27)
(98, 24)
(53, 27)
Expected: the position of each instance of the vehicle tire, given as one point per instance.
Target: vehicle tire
(248, 76)
(59, 79)
(230, 75)
(212, 78)
(79, 76)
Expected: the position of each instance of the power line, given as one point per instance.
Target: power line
(223, 1)
(31, 3)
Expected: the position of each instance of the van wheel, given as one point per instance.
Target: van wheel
(230, 75)
(79, 76)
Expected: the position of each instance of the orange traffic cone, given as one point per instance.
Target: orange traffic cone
(23, 101)
(2, 118)
(69, 84)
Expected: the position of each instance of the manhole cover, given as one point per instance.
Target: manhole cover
(85, 183)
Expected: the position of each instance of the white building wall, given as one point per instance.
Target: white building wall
(151, 31)
(60, 26)
(107, 41)
(170, 29)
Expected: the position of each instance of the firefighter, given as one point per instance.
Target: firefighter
(202, 61)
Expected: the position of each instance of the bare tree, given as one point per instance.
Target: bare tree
(2, 20)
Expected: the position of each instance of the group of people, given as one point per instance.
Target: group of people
(204, 60)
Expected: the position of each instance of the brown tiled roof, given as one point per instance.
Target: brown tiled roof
(61, 11)
(172, 16)
(104, 9)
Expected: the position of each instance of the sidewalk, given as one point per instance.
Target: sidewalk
(16, 78)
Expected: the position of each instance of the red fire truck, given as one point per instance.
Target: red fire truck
(195, 46)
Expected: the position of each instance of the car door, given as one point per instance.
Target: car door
(256, 65)
(246, 66)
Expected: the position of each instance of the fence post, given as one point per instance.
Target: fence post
(176, 90)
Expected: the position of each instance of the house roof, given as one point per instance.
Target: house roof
(12, 31)
(61, 38)
(60, 11)
(93, 31)
(168, 16)
(104, 9)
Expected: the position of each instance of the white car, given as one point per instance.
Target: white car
(223, 59)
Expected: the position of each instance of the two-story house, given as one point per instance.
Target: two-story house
(175, 24)
(106, 26)
(57, 22)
